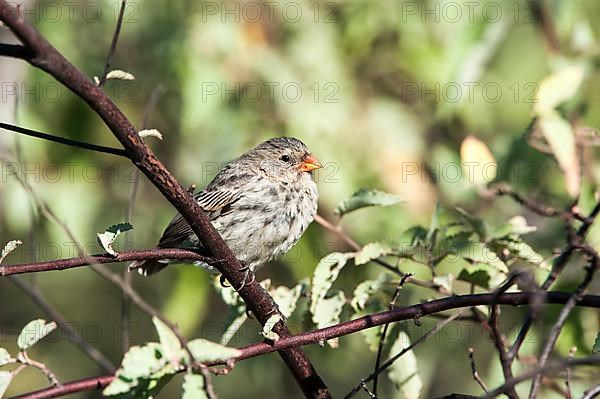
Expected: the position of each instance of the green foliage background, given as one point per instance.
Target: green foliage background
(378, 100)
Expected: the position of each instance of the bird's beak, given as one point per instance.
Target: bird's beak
(309, 163)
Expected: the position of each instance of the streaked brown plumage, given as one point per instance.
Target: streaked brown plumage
(260, 203)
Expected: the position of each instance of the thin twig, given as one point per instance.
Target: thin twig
(474, 372)
(62, 140)
(440, 325)
(562, 318)
(113, 44)
(591, 393)
(570, 373)
(385, 329)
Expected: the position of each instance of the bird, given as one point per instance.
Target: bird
(260, 203)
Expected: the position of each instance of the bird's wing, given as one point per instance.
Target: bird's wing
(214, 202)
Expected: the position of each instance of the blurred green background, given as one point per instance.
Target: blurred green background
(382, 92)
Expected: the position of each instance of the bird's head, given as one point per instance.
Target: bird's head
(284, 158)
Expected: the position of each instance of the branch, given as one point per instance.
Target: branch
(15, 51)
(65, 141)
(377, 319)
(69, 263)
(258, 301)
(113, 43)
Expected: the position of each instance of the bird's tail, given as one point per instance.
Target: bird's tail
(148, 267)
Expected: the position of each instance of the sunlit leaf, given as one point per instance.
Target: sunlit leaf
(117, 387)
(515, 226)
(5, 378)
(33, 332)
(559, 135)
(325, 275)
(372, 251)
(364, 290)
(327, 313)
(8, 248)
(286, 298)
(404, 372)
(557, 88)
(444, 281)
(171, 346)
(141, 361)
(121, 75)
(477, 161)
(267, 330)
(5, 357)
(193, 387)
(150, 133)
(205, 351)
(364, 198)
(109, 236)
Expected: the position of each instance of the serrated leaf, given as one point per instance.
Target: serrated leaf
(118, 387)
(328, 313)
(372, 251)
(364, 198)
(267, 330)
(193, 387)
(119, 74)
(142, 361)
(109, 236)
(478, 253)
(33, 332)
(171, 347)
(557, 88)
(477, 161)
(205, 351)
(5, 378)
(444, 281)
(559, 135)
(8, 248)
(515, 226)
(365, 290)
(286, 298)
(404, 372)
(479, 226)
(5, 357)
(478, 276)
(325, 275)
(596, 347)
(150, 133)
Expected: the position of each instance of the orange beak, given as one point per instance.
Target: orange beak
(309, 163)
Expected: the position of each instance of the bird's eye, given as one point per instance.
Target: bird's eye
(285, 158)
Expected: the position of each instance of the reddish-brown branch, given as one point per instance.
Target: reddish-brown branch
(369, 321)
(258, 301)
(69, 263)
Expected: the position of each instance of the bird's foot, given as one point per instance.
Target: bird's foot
(223, 281)
(248, 279)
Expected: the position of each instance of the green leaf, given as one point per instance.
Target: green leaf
(5, 357)
(557, 88)
(5, 378)
(117, 387)
(325, 275)
(142, 361)
(205, 351)
(328, 313)
(8, 248)
(596, 347)
(372, 251)
(193, 387)
(286, 298)
(267, 330)
(559, 135)
(33, 332)
(404, 372)
(515, 226)
(365, 290)
(478, 276)
(479, 226)
(109, 236)
(444, 281)
(364, 198)
(477, 252)
(434, 224)
(171, 347)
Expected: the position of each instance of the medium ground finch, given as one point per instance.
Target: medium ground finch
(260, 203)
